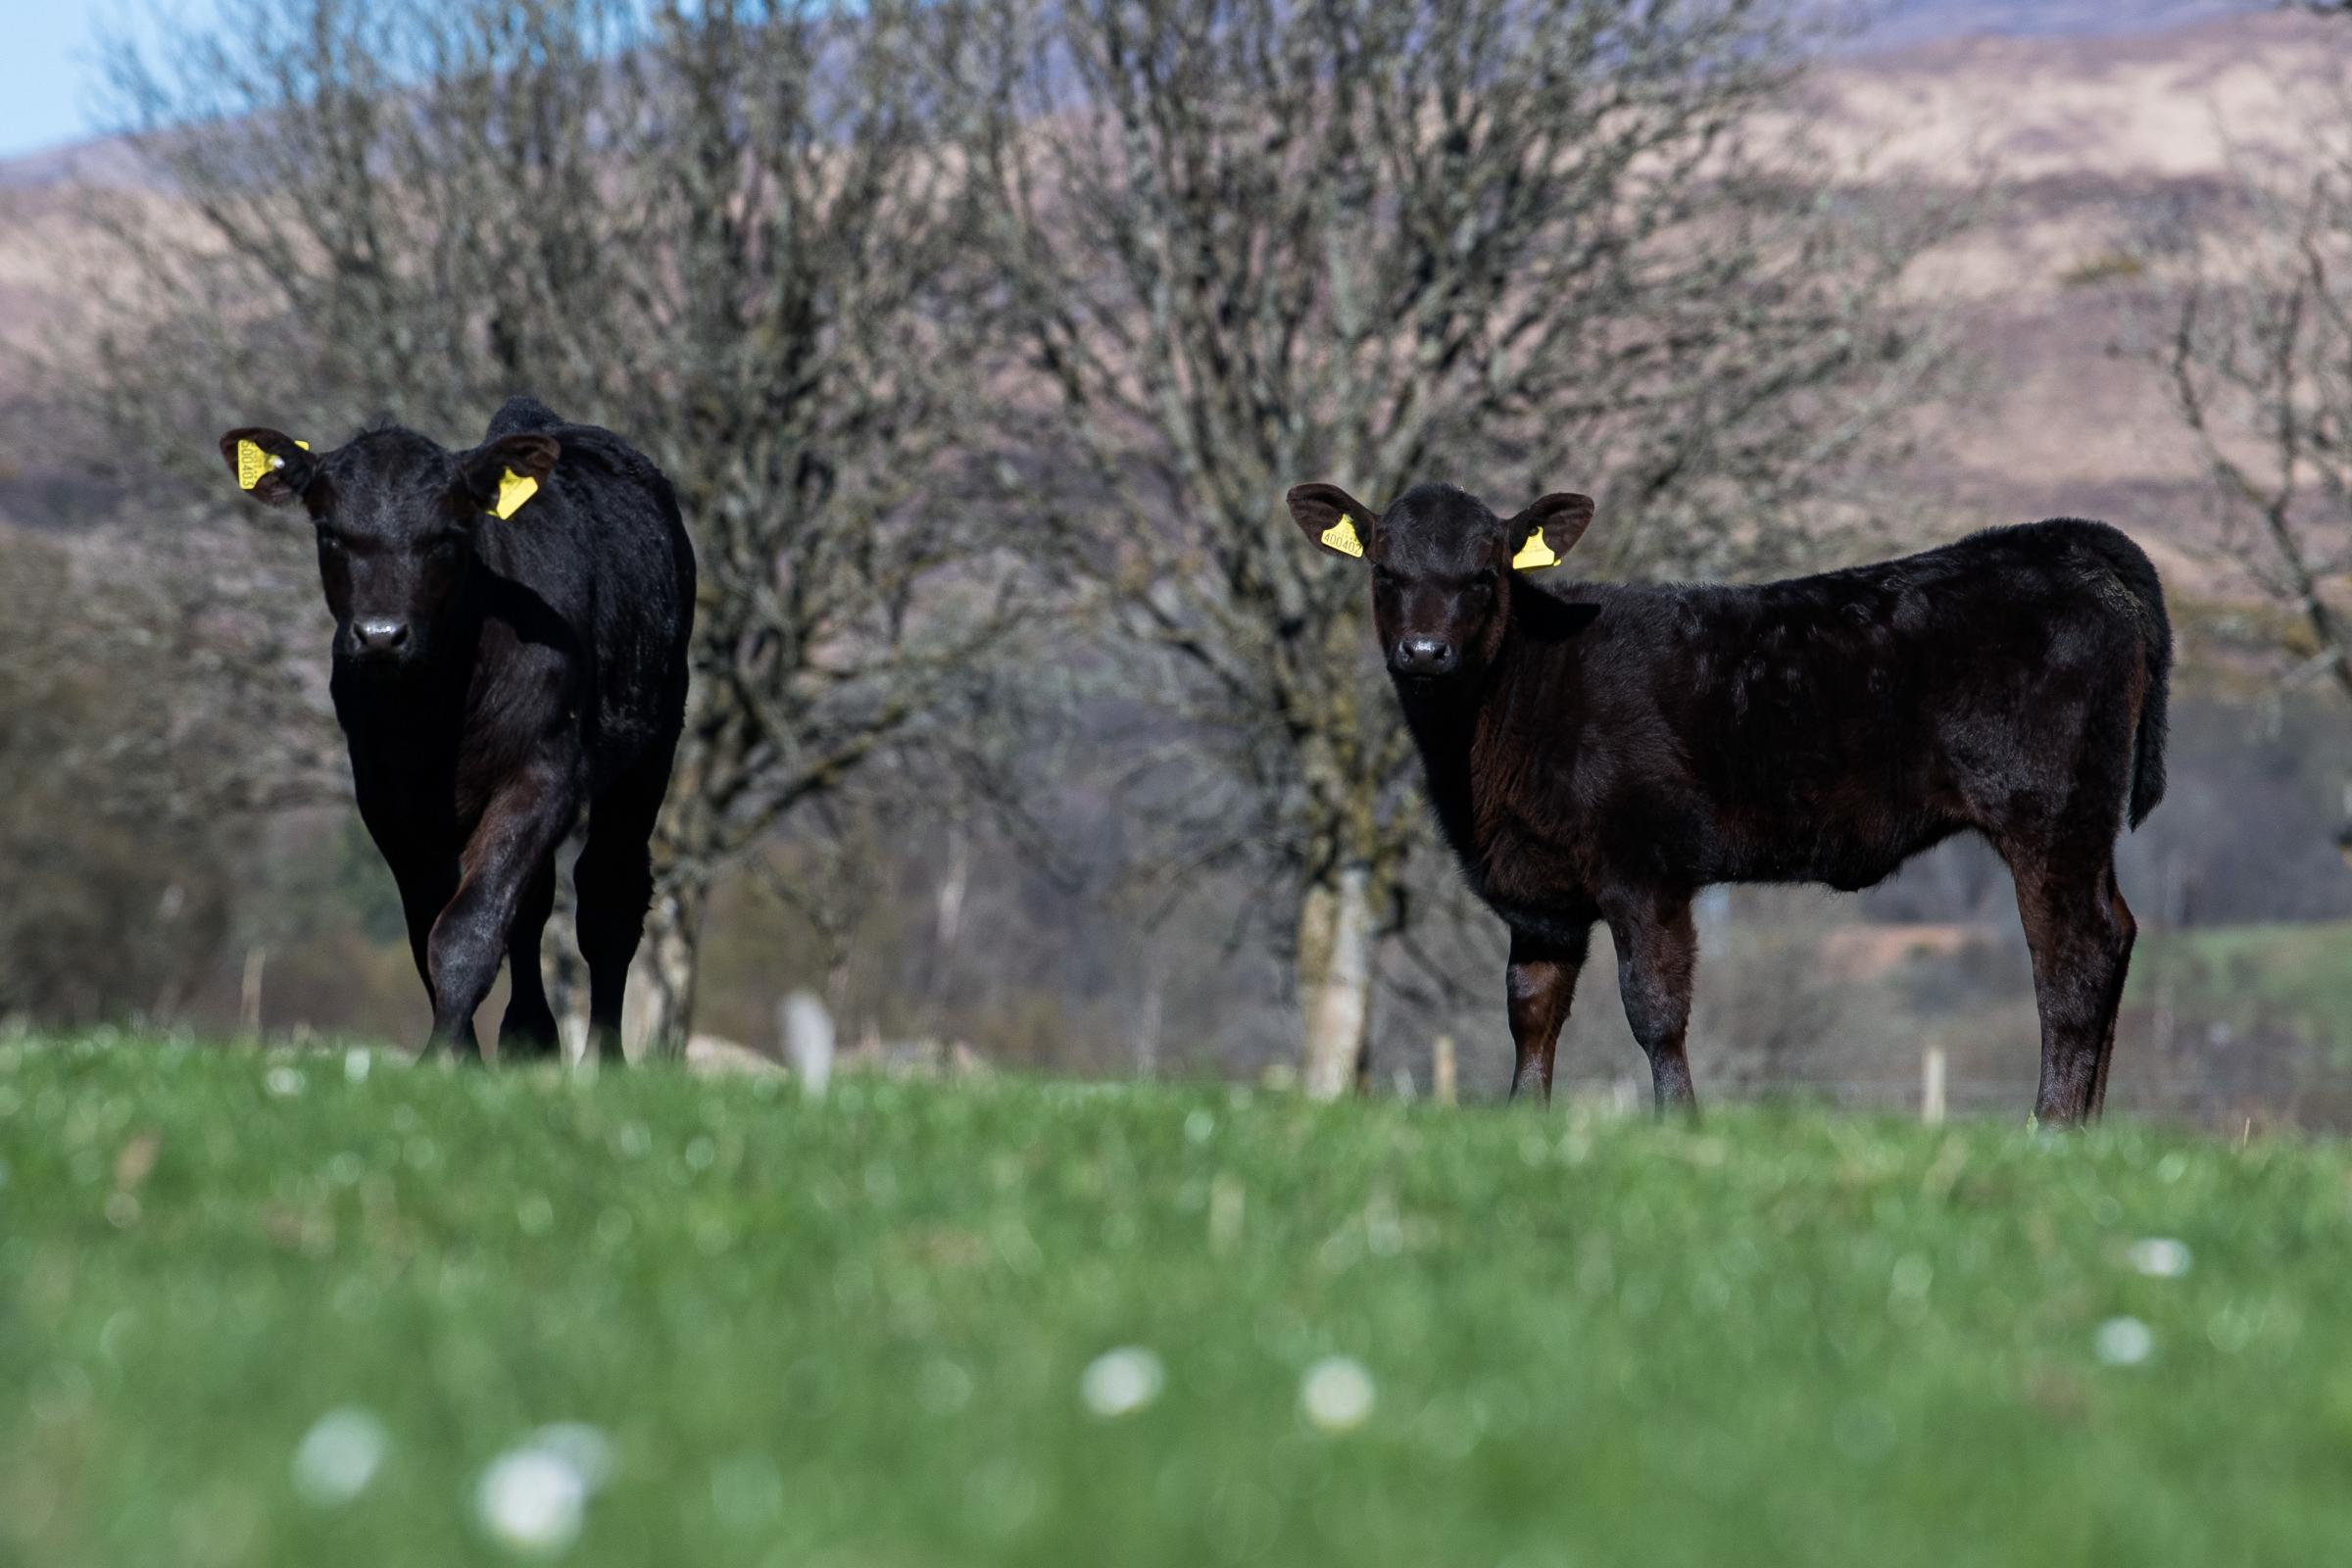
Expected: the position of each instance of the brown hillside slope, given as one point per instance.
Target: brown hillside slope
(2095, 146)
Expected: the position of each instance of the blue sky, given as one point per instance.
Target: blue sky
(44, 72)
(49, 68)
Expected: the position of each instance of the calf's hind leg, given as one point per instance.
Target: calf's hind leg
(2081, 934)
(2123, 969)
(1657, 951)
(615, 878)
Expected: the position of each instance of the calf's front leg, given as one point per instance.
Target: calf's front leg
(425, 882)
(1657, 951)
(526, 818)
(1541, 981)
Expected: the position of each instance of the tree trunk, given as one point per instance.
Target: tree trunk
(1334, 981)
(659, 1008)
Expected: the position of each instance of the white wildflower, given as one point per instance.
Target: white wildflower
(2123, 1342)
(1121, 1381)
(1337, 1394)
(339, 1457)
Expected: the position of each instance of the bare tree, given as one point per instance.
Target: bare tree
(720, 228)
(113, 906)
(2256, 351)
(2258, 359)
(1246, 243)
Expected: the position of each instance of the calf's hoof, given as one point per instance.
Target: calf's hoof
(530, 1036)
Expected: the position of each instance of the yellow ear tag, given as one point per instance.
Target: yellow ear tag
(1341, 536)
(1534, 554)
(514, 489)
(253, 462)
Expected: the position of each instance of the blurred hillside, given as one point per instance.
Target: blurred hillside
(1894, 23)
(2093, 126)
(2096, 149)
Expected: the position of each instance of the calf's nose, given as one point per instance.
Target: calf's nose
(379, 636)
(1422, 655)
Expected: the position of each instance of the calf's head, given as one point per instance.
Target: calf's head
(395, 517)
(1443, 567)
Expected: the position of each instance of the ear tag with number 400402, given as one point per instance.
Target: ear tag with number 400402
(1341, 536)
(514, 489)
(253, 462)
(1534, 554)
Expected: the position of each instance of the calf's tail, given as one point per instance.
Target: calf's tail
(2138, 574)
(2147, 747)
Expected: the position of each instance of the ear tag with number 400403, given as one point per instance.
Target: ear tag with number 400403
(514, 489)
(253, 462)
(1532, 554)
(1341, 536)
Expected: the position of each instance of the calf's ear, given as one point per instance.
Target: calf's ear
(1548, 530)
(269, 466)
(1332, 517)
(504, 474)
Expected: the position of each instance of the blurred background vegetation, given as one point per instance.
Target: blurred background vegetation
(982, 337)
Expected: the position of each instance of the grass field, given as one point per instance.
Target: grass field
(273, 1310)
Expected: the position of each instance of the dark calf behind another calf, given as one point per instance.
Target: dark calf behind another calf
(509, 646)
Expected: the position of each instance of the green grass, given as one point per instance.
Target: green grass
(853, 1331)
(2246, 975)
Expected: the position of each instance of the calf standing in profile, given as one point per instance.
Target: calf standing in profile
(1604, 751)
(510, 629)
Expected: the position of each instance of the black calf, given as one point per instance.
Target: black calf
(510, 630)
(1603, 751)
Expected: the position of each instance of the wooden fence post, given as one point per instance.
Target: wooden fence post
(807, 1030)
(249, 992)
(1931, 1086)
